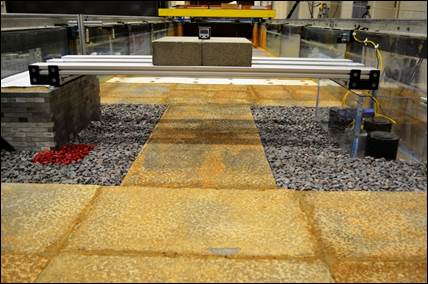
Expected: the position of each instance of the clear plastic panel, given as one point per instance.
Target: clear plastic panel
(401, 96)
(30, 38)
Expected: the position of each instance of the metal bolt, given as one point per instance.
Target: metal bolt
(53, 80)
(34, 80)
(374, 85)
(354, 84)
(355, 74)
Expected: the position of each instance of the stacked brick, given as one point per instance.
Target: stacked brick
(39, 118)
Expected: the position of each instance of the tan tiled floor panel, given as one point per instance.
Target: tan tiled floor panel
(160, 234)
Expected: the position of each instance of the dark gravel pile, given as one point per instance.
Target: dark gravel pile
(119, 137)
(303, 157)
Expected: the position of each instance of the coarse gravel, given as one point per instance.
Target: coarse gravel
(303, 156)
(118, 136)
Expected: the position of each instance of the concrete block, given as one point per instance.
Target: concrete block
(32, 116)
(226, 51)
(177, 51)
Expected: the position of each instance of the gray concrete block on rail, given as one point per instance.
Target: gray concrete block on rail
(177, 51)
(226, 51)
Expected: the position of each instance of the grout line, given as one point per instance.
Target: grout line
(174, 254)
(54, 250)
(320, 249)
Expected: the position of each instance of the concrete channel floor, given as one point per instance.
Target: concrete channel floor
(75, 233)
(215, 214)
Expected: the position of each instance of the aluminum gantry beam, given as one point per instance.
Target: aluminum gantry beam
(255, 60)
(149, 57)
(54, 71)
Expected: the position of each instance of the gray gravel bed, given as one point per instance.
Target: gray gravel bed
(119, 137)
(302, 156)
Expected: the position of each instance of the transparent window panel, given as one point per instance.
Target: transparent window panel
(274, 43)
(30, 38)
(16, 62)
(316, 49)
(290, 45)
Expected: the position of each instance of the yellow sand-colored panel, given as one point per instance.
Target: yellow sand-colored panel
(73, 268)
(21, 268)
(203, 222)
(34, 217)
(371, 225)
(291, 93)
(208, 146)
(380, 272)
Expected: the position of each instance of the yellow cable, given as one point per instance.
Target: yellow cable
(354, 34)
(345, 97)
(380, 61)
(387, 117)
(375, 45)
(378, 114)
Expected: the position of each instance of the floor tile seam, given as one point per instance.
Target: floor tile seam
(131, 103)
(55, 249)
(157, 186)
(320, 249)
(166, 188)
(343, 191)
(175, 254)
(413, 259)
(256, 189)
(49, 186)
(182, 104)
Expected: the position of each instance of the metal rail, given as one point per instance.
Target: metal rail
(255, 61)
(58, 71)
(272, 59)
(55, 71)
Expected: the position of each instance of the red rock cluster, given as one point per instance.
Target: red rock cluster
(65, 155)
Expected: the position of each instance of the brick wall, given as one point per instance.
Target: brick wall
(43, 119)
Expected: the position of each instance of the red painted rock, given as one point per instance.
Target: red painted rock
(65, 155)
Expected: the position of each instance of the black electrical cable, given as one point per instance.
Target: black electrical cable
(292, 9)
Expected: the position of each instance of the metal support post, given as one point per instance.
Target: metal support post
(317, 104)
(357, 126)
(359, 116)
(82, 38)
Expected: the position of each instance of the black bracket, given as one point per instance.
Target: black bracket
(54, 78)
(35, 77)
(356, 83)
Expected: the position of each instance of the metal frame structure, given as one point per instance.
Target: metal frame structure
(58, 71)
(55, 71)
